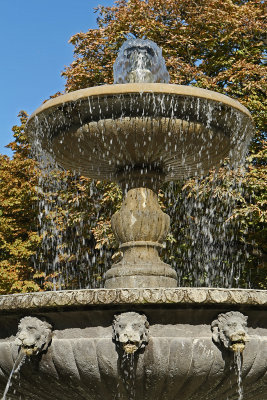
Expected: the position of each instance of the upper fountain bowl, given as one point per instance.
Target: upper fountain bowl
(178, 131)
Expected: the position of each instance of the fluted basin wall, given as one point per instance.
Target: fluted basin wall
(180, 361)
(170, 368)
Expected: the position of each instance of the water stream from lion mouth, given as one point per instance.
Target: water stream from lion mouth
(128, 376)
(19, 361)
(238, 367)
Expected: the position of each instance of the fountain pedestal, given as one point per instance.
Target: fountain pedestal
(140, 226)
(139, 134)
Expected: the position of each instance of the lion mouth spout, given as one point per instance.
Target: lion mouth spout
(29, 350)
(130, 347)
(231, 331)
(238, 344)
(130, 332)
(33, 336)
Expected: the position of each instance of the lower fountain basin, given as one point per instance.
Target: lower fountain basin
(180, 360)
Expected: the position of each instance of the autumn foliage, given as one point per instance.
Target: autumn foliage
(212, 44)
(19, 239)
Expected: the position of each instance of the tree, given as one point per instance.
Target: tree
(51, 224)
(18, 234)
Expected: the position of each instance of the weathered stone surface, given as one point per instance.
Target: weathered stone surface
(230, 330)
(33, 336)
(130, 331)
(180, 360)
(144, 296)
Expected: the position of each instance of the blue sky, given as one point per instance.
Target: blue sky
(34, 46)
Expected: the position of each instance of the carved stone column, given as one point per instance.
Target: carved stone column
(140, 226)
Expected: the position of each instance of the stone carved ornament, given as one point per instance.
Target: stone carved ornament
(230, 330)
(140, 61)
(133, 296)
(33, 336)
(130, 331)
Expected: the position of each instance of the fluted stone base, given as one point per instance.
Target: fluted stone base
(140, 226)
(141, 276)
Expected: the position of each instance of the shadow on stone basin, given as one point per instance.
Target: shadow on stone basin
(180, 360)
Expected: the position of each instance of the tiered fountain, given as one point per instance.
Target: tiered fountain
(141, 337)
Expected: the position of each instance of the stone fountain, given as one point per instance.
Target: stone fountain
(141, 337)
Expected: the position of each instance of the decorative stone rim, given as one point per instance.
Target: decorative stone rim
(157, 88)
(149, 296)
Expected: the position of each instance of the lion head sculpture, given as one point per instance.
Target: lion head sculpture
(230, 330)
(33, 336)
(130, 331)
(140, 61)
